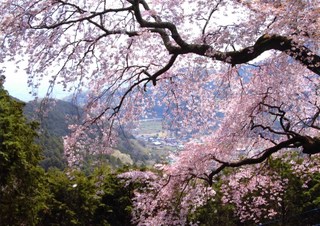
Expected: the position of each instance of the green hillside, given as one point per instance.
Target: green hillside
(54, 125)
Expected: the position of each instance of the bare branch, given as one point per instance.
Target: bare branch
(251, 161)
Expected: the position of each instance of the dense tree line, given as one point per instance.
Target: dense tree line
(31, 196)
(22, 190)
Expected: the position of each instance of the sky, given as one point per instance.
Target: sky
(17, 86)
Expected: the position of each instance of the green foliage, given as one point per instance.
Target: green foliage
(314, 191)
(98, 198)
(293, 199)
(22, 193)
(52, 150)
(215, 212)
(127, 144)
(311, 202)
(71, 199)
(53, 126)
(115, 205)
(298, 199)
(55, 121)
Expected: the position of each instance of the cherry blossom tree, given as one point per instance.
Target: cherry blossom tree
(241, 76)
(274, 192)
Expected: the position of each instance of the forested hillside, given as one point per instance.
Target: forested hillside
(54, 122)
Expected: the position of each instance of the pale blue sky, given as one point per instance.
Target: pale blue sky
(16, 85)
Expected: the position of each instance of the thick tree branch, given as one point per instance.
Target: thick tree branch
(158, 24)
(175, 44)
(309, 145)
(264, 43)
(164, 69)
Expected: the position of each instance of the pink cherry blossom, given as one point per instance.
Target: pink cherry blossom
(239, 78)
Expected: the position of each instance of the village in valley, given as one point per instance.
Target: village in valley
(152, 133)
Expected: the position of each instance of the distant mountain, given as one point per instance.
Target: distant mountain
(156, 112)
(80, 99)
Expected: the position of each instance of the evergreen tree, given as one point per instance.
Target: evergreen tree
(72, 199)
(21, 187)
(97, 198)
